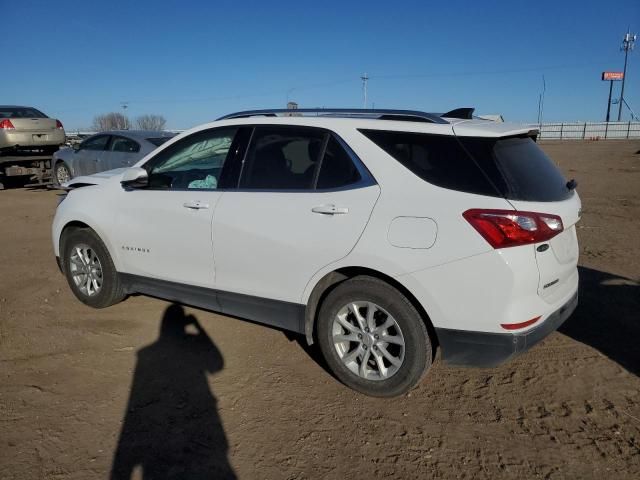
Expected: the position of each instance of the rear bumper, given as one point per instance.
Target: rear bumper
(19, 139)
(479, 349)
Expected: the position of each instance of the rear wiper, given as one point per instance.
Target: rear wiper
(572, 184)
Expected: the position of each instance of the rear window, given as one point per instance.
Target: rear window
(157, 141)
(514, 168)
(20, 112)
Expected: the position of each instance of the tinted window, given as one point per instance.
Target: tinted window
(124, 145)
(438, 159)
(157, 141)
(95, 143)
(337, 169)
(20, 112)
(282, 158)
(519, 168)
(195, 162)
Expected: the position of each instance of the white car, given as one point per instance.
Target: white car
(379, 234)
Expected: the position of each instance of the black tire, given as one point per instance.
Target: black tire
(59, 167)
(417, 344)
(111, 290)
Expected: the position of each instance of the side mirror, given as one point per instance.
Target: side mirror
(135, 177)
(75, 146)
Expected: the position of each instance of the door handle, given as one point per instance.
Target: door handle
(329, 210)
(197, 205)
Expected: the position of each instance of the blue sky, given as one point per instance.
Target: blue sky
(193, 61)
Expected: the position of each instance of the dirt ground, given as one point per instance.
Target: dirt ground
(86, 394)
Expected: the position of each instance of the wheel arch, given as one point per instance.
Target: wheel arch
(327, 283)
(78, 225)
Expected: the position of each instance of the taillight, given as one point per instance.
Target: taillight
(6, 124)
(59, 124)
(510, 228)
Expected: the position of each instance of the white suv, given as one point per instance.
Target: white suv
(380, 234)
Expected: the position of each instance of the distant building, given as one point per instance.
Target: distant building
(292, 106)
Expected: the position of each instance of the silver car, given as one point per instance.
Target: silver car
(26, 128)
(105, 151)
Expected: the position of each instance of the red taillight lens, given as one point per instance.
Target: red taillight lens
(6, 124)
(510, 228)
(59, 124)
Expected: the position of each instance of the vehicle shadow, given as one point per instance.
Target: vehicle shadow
(172, 428)
(607, 317)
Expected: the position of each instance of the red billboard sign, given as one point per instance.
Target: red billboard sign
(612, 75)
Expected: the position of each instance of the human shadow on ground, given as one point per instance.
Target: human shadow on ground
(172, 429)
(608, 317)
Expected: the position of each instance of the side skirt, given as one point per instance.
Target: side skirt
(280, 314)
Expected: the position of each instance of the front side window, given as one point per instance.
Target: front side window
(282, 158)
(124, 145)
(195, 162)
(95, 143)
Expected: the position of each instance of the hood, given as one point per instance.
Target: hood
(95, 179)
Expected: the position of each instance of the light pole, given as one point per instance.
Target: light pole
(627, 44)
(364, 79)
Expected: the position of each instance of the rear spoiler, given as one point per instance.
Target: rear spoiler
(464, 113)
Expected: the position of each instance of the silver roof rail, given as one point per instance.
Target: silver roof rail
(380, 114)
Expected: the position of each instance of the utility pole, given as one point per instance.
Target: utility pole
(364, 79)
(627, 44)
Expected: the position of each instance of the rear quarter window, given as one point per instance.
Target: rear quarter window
(519, 168)
(514, 168)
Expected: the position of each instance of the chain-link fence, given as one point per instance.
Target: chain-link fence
(589, 130)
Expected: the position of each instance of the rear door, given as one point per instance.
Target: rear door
(302, 203)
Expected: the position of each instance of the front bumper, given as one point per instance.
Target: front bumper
(479, 349)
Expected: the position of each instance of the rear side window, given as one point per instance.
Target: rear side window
(282, 158)
(519, 168)
(437, 159)
(20, 112)
(337, 169)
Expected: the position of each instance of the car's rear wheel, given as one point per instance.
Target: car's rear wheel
(62, 173)
(373, 338)
(89, 269)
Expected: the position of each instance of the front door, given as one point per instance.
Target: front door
(164, 230)
(302, 203)
(88, 157)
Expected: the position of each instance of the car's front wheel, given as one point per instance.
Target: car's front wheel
(373, 338)
(89, 269)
